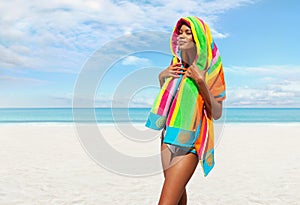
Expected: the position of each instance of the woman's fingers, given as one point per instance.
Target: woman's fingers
(180, 72)
(175, 68)
(175, 71)
(174, 74)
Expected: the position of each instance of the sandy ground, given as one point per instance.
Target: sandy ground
(47, 164)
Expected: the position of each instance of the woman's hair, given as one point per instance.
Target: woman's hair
(179, 24)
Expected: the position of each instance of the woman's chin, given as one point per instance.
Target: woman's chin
(184, 47)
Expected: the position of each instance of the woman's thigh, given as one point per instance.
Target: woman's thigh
(180, 167)
(166, 157)
(177, 171)
(169, 159)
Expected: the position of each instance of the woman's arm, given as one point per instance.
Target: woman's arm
(161, 79)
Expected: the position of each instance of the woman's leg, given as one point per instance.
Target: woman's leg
(166, 158)
(183, 199)
(177, 171)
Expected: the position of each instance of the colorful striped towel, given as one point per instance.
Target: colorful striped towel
(180, 107)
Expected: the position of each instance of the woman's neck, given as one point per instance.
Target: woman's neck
(188, 57)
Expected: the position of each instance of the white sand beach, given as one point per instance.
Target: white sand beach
(46, 164)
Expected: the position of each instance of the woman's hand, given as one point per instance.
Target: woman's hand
(196, 74)
(171, 71)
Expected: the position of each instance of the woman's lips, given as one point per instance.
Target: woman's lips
(181, 42)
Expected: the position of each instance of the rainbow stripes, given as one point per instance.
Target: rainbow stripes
(179, 107)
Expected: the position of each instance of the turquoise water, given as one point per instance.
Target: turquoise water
(139, 115)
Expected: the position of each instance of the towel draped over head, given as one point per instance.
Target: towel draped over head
(180, 107)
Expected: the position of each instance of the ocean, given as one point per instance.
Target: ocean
(139, 115)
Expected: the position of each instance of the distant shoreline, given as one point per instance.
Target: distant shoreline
(142, 124)
(138, 115)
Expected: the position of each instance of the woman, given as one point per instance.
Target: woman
(193, 89)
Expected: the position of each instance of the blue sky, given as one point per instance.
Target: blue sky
(44, 47)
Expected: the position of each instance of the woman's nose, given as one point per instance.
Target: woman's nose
(181, 36)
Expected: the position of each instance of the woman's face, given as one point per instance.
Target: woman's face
(185, 38)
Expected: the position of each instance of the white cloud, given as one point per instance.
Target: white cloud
(133, 60)
(20, 80)
(268, 70)
(49, 29)
(13, 56)
(274, 86)
(59, 36)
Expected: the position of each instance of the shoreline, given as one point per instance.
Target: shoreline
(140, 124)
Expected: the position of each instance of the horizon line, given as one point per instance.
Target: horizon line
(230, 107)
